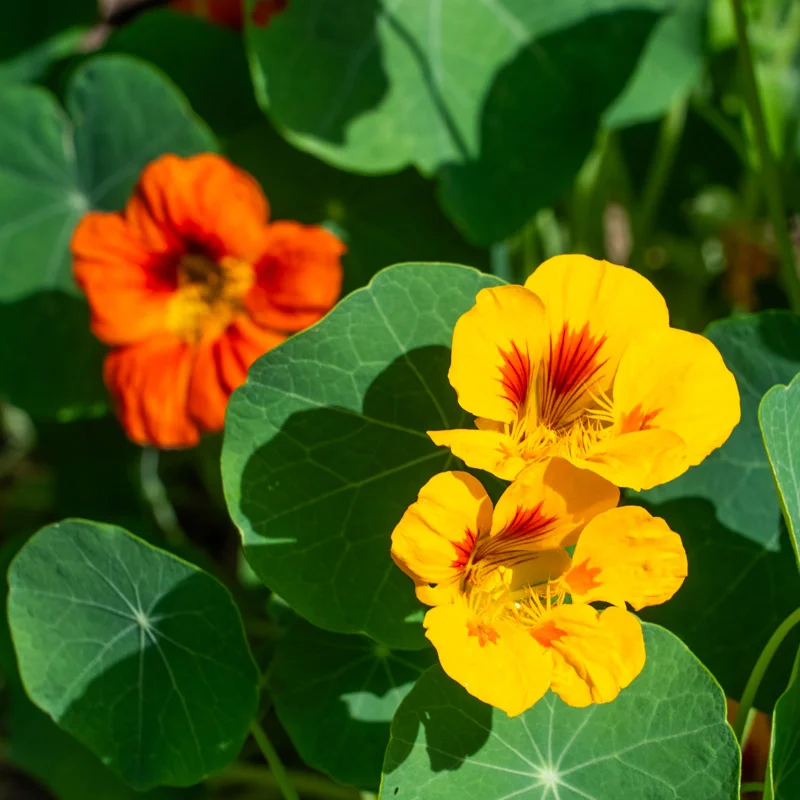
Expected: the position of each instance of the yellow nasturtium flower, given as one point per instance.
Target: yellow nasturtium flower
(581, 363)
(512, 614)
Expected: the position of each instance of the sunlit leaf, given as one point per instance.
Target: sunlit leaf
(326, 446)
(664, 736)
(139, 655)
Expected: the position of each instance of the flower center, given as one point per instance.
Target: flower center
(209, 296)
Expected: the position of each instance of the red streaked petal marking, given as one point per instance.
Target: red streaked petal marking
(483, 632)
(638, 420)
(526, 524)
(572, 363)
(515, 374)
(463, 550)
(547, 633)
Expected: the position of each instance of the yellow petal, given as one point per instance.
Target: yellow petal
(595, 655)
(638, 460)
(491, 450)
(548, 504)
(610, 303)
(498, 662)
(433, 540)
(627, 555)
(497, 346)
(677, 381)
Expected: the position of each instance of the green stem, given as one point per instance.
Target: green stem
(309, 785)
(752, 787)
(155, 493)
(754, 681)
(770, 177)
(272, 758)
(767, 794)
(669, 138)
(724, 127)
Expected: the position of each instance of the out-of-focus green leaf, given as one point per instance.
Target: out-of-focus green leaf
(53, 169)
(336, 694)
(743, 578)
(326, 446)
(501, 99)
(664, 736)
(139, 655)
(668, 70)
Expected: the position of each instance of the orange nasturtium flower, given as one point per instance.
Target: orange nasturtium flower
(512, 614)
(189, 285)
(581, 363)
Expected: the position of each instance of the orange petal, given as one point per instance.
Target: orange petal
(497, 662)
(677, 381)
(595, 655)
(299, 276)
(433, 541)
(548, 504)
(497, 347)
(127, 287)
(150, 383)
(612, 305)
(627, 555)
(492, 451)
(204, 200)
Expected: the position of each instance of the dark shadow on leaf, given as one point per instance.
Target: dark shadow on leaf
(736, 594)
(325, 492)
(50, 363)
(539, 122)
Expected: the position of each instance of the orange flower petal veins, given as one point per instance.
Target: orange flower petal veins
(625, 555)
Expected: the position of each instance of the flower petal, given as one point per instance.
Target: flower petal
(548, 504)
(497, 662)
(627, 555)
(497, 346)
(127, 287)
(203, 200)
(298, 277)
(609, 304)
(595, 655)
(149, 382)
(677, 381)
(490, 450)
(433, 541)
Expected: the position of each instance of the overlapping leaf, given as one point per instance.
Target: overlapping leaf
(729, 516)
(784, 763)
(326, 446)
(139, 655)
(53, 169)
(336, 694)
(664, 736)
(501, 98)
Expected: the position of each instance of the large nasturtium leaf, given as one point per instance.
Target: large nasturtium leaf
(670, 67)
(501, 99)
(53, 169)
(326, 446)
(784, 763)
(743, 578)
(136, 653)
(665, 736)
(779, 417)
(336, 695)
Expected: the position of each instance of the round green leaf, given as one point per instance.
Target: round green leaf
(502, 98)
(729, 516)
(784, 758)
(53, 169)
(665, 736)
(326, 446)
(779, 418)
(139, 655)
(336, 694)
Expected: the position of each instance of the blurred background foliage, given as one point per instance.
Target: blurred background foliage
(494, 133)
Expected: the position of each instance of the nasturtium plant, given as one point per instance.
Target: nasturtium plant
(55, 166)
(399, 399)
(139, 655)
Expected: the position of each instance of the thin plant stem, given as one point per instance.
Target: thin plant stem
(752, 787)
(724, 127)
(768, 167)
(669, 137)
(155, 493)
(756, 676)
(275, 764)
